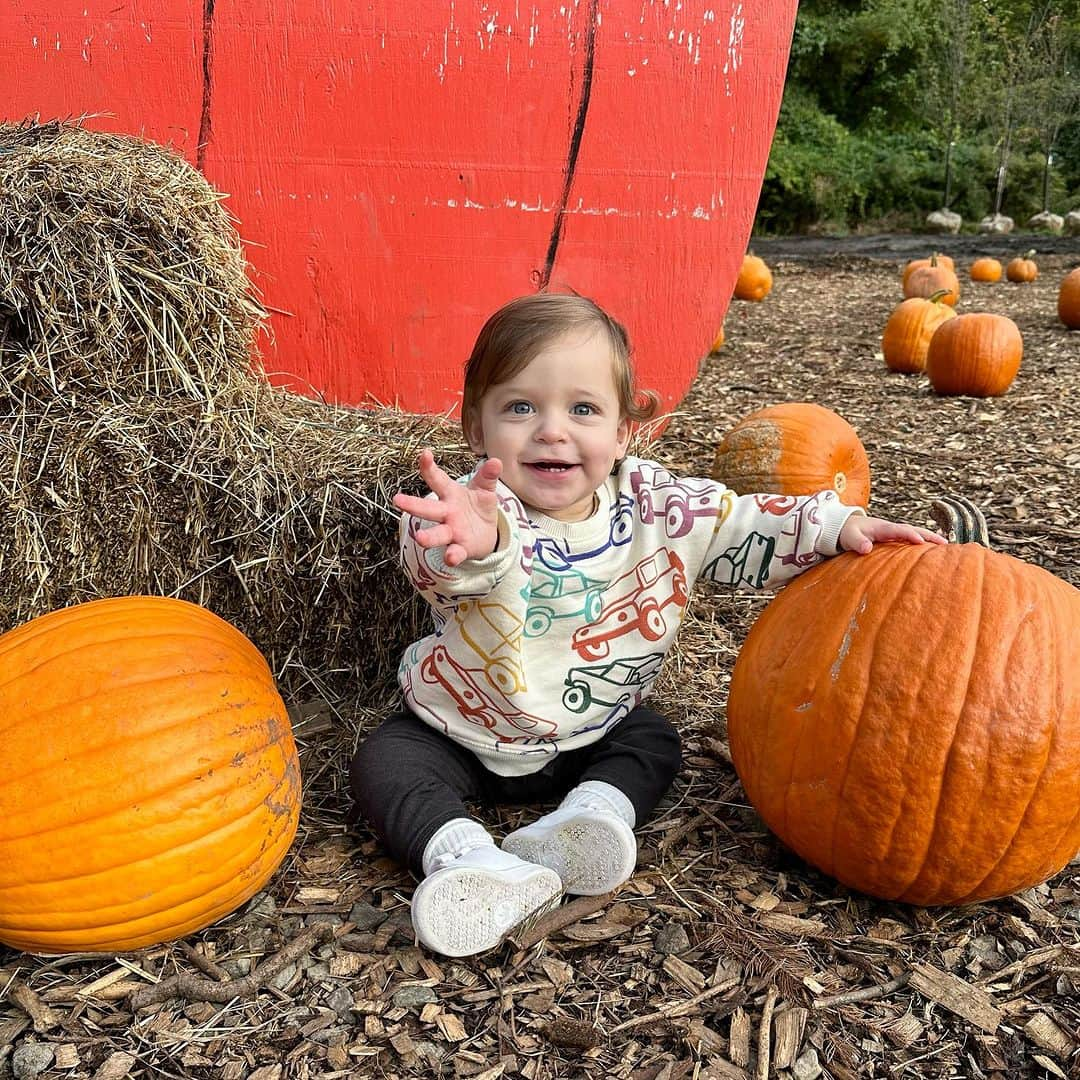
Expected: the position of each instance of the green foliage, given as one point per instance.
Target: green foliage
(877, 88)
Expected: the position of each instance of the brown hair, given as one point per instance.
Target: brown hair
(519, 330)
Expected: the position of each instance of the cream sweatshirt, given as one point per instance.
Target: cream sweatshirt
(546, 643)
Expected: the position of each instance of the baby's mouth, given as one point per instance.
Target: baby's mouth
(551, 466)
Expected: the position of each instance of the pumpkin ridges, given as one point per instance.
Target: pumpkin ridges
(37, 665)
(819, 811)
(977, 354)
(42, 814)
(111, 737)
(1058, 769)
(795, 448)
(908, 330)
(190, 887)
(999, 839)
(170, 833)
(896, 850)
(942, 830)
(192, 912)
(894, 770)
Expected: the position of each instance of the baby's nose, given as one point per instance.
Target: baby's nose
(551, 429)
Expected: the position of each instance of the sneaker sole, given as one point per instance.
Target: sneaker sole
(590, 857)
(467, 911)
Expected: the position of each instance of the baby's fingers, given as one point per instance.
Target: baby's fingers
(433, 476)
(436, 536)
(487, 475)
(930, 536)
(426, 509)
(454, 555)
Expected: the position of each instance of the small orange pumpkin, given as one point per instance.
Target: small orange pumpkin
(755, 279)
(718, 341)
(796, 448)
(986, 269)
(908, 721)
(925, 281)
(1069, 300)
(908, 332)
(977, 354)
(1022, 269)
(149, 782)
(937, 259)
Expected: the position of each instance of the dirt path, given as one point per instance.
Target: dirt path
(912, 245)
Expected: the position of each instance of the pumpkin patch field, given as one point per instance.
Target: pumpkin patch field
(726, 956)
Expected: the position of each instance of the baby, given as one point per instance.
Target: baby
(557, 574)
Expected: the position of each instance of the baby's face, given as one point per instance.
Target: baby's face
(556, 426)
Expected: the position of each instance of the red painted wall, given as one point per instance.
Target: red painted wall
(401, 170)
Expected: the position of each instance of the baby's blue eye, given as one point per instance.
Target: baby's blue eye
(520, 408)
(583, 409)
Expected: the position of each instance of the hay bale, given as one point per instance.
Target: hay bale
(142, 450)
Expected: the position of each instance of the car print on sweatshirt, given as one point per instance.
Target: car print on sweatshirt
(678, 502)
(556, 554)
(615, 684)
(484, 706)
(494, 635)
(548, 590)
(636, 602)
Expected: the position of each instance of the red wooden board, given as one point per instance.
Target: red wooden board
(401, 170)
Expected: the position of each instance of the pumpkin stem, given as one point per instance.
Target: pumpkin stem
(961, 520)
(935, 298)
(1029, 254)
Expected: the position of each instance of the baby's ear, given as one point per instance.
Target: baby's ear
(622, 436)
(474, 431)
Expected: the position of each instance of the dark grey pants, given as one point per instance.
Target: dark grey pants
(409, 779)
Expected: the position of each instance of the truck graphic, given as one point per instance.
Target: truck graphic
(745, 564)
(548, 588)
(678, 502)
(485, 707)
(501, 649)
(556, 554)
(636, 602)
(616, 684)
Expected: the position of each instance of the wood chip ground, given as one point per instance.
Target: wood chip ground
(725, 956)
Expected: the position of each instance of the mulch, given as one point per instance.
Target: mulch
(725, 956)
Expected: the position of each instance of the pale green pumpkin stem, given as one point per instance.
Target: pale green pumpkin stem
(961, 520)
(935, 298)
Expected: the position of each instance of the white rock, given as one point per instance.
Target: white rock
(806, 1066)
(996, 223)
(1048, 222)
(944, 221)
(1072, 222)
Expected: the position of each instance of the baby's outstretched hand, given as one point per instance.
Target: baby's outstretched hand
(861, 533)
(466, 515)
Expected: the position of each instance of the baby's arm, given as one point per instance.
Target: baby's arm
(860, 533)
(466, 516)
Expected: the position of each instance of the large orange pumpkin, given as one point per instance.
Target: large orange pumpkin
(794, 449)
(1069, 300)
(986, 269)
(908, 721)
(937, 259)
(149, 783)
(977, 354)
(908, 332)
(755, 279)
(927, 281)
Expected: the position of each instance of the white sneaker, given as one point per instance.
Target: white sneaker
(592, 851)
(472, 904)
